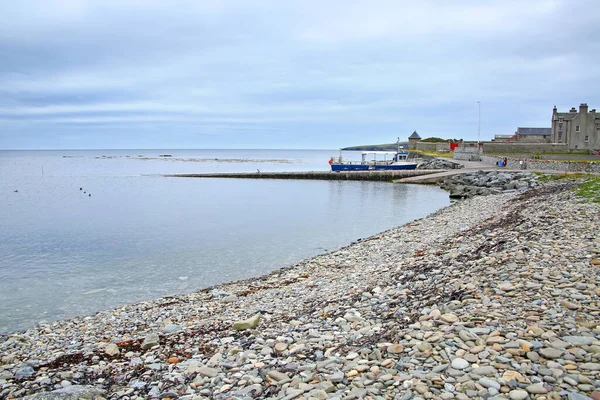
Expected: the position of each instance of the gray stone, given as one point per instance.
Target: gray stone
(207, 371)
(518, 394)
(485, 370)
(24, 372)
(171, 328)
(551, 353)
(577, 396)
(74, 392)
(579, 340)
(489, 383)
(590, 366)
(150, 341)
(536, 389)
(460, 363)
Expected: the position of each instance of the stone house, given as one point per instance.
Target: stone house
(534, 135)
(503, 138)
(579, 130)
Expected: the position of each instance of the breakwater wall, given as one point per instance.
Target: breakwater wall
(315, 175)
(546, 165)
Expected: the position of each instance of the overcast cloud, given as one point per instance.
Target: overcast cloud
(287, 74)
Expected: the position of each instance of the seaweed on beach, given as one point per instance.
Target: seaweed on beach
(64, 359)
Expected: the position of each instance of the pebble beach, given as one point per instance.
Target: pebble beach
(493, 297)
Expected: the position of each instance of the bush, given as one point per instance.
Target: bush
(434, 140)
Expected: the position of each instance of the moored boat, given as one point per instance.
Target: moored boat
(375, 160)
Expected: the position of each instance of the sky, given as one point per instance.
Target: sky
(83, 74)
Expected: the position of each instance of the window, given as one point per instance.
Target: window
(560, 126)
(577, 128)
(586, 139)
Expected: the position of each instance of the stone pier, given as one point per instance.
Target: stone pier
(316, 175)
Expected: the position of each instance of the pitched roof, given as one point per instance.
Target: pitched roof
(414, 135)
(566, 116)
(534, 131)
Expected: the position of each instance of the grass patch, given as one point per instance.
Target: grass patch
(545, 177)
(540, 153)
(438, 154)
(590, 189)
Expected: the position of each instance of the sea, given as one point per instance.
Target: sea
(83, 231)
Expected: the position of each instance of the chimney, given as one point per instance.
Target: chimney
(583, 108)
(573, 110)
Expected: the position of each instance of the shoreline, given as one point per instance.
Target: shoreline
(361, 305)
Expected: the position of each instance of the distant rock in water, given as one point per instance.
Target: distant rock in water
(377, 147)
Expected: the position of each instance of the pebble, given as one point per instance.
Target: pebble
(112, 349)
(460, 363)
(395, 348)
(518, 394)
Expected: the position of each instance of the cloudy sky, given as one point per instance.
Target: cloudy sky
(287, 74)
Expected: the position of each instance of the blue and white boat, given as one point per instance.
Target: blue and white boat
(375, 161)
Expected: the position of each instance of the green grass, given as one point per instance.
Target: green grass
(545, 177)
(448, 154)
(590, 189)
(540, 153)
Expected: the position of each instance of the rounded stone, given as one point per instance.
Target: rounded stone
(395, 348)
(518, 394)
(449, 318)
(460, 363)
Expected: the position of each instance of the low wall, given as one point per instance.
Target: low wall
(545, 165)
(467, 153)
(516, 147)
(534, 139)
(550, 156)
(427, 146)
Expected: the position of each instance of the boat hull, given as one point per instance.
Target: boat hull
(349, 167)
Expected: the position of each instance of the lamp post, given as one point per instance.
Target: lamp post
(479, 126)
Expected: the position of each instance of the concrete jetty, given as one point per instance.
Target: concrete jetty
(317, 175)
(442, 174)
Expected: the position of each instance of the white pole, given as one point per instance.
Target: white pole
(479, 126)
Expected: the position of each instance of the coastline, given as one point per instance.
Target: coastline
(405, 303)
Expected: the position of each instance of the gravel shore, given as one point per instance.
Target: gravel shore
(494, 297)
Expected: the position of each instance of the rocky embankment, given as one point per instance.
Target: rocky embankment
(494, 297)
(485, 183)
(439, 163)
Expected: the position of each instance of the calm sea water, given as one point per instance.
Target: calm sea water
(141, 235)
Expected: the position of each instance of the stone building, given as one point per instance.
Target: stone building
(503, 138)
(412, 140)
(579, 130)
(534, 135)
